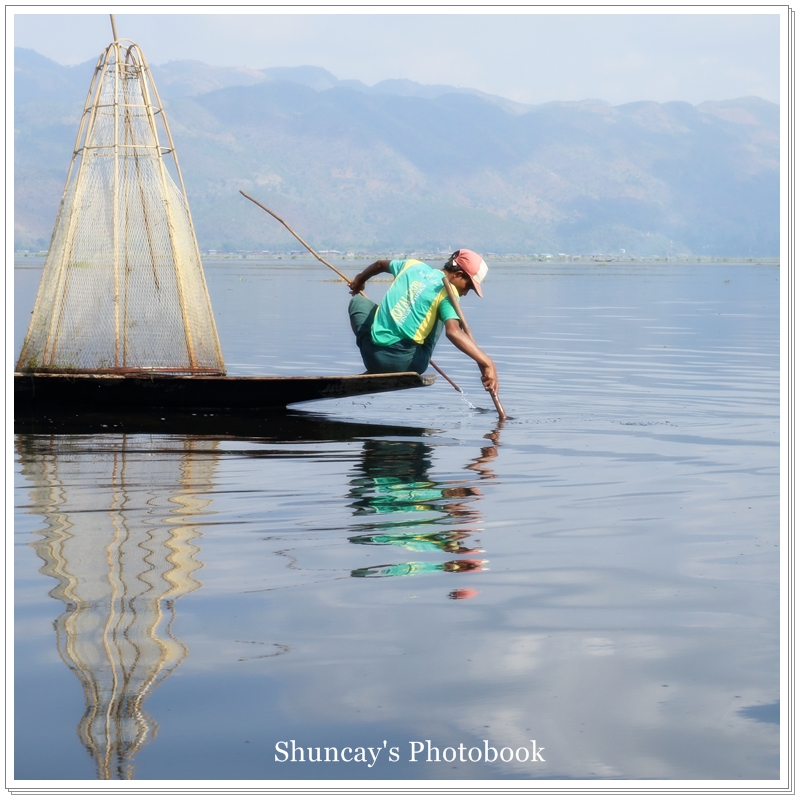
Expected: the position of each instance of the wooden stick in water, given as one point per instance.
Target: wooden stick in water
(328, 264)
(451, 293)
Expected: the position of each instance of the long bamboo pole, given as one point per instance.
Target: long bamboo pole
(451, 293)
(327, 264)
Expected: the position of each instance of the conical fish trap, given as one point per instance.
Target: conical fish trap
(123, 287)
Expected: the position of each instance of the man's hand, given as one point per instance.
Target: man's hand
(357, 284)
(489, 377)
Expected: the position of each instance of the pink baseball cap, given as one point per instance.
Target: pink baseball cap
(473, 265)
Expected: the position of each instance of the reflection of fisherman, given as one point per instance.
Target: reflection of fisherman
(448, 542)
(418, 568)
(482, 464)
(389, 496)
(394, 479)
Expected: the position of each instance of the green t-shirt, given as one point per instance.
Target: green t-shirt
(415, 300)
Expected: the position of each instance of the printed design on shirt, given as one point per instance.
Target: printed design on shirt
(402, 308)
(413, 304)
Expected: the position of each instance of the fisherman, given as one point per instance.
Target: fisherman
(399, 334)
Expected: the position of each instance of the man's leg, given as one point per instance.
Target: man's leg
(389, 358)
(362, 312)
(378, 358)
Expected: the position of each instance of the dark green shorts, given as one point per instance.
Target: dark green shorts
(403, 356)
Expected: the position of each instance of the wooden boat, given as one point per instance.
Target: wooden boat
(123, 284)
(115, 392)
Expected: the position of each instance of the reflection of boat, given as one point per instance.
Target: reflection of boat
(137, 391)
(290, 426)
(120, 573)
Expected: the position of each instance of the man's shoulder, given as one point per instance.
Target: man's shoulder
(400, 265)
(411, 262)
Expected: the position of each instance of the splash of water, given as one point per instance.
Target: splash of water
(480, 409)
(466, 400)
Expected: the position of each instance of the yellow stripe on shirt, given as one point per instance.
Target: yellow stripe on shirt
(429, 320)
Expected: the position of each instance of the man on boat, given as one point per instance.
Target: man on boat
(399, 334)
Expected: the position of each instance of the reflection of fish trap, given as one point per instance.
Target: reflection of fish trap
(123, 287)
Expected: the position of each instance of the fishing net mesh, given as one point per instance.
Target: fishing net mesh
(123, 288)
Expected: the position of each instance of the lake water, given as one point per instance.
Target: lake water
(600, 574)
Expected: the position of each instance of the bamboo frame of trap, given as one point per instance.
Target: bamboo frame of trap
(128, 62)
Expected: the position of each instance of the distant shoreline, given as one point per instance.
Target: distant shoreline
(496, 258)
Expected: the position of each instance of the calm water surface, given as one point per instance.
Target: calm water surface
(599, 574)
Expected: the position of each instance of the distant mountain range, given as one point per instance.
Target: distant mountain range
(401, 166)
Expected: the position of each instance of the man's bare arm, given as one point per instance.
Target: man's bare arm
(465, 344)
(360, 280)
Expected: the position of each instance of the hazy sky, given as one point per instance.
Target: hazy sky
(531, 58)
